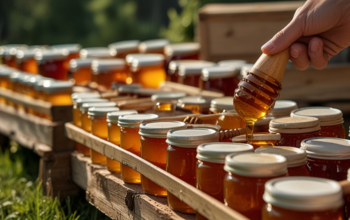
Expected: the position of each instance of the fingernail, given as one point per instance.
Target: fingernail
(294, 53)
(314, 46)
(267, 46)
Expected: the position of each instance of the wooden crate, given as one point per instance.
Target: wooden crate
(237, 31)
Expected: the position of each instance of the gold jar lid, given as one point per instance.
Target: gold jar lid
(150, 46)
(295, 156)
(188, 48)
(326, 115)
(159, 129)
(134, 121)
(327, 148)
(191, 138)
(114, 116)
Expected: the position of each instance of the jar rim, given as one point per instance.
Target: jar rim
(191, 138)
(327, 148)
(159, 129)
(295, 156)
(186, 48)
(114, 116)
(134, 120)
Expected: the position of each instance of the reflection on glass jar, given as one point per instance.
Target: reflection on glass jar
(80, 70)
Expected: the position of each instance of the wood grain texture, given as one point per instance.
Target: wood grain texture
(32, 131)
(189, 90)
(198, 200)
(106, 191)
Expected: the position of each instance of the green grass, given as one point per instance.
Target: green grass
(21, 195)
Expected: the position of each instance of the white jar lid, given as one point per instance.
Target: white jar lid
(124, 46)
(327, 148)
(153, 45)
(191, 138)
(295, 156)
(134, 121)
(258, 137)
(174, 65)
(85, 95)
(147, 60)
(129, 88)
(219, 72)
(95, 52)
(304, 193)
(130, 57)
(245, 69)
(326, 115)
(39, 84)
(233, 63)
(216, 152)
(76, 64)
(159, 129)
(256, 165)
(82, 101)
(283, 108)
(99, 65)
(24, 54)
(85, 107)
(221, 104)
(168, 96)
(187, 48)
(194, 68)
(58, 87)
(11, 49)
(193, 100)
(294, 125)
(5, 71)
(101, 111)
(51, 55)
(72, 48)
(114, 116)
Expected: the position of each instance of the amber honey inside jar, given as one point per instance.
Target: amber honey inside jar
(196, 104)
(130, 141)
(114, 136)
(182, 147)
(95, 53)
(99, 128)
(51, 64)
(210, 171)
(58, 93)
(296, 159)
(191, 72)
(153, 46)
(245, 179)
(260, 139)
(25, 60)
(294, 130)
(331, 120)
(80, 70)
(4, 80)
(166, 102)
(8, 53)
(173, 69)
(327, 157)
(181, 51)
(72, 50)
(293, 198)
(106, 71)
(123, 48)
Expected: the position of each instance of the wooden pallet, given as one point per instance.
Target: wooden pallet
(106, 184)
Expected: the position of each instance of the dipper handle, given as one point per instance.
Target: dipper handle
(272, 65)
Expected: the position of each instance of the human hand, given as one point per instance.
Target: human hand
(319, 30)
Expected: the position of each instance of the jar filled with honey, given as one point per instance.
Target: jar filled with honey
(181, 51)
(222, 79)
(166, 101)
(58, 93)
(293, 198)
(331, 120)
(148, 70)
(173, 69)
(8, 54)
(210, 171)
(95, 53)
(51, 63)
(104, 72)
(5, 76)
(181, 158)
(244, 182)
(260, 139)
(154, 150)
(114, 135)
(294, 130)
(283, 108)
(73, 50)
(191, 72)
(327, 157)
(130, 141)
(153, 46)
(99, 128)
(220, 105)
(25, 59)
(196, 104)
(229, 120)
(123, 48)
(80, 70)
(296, 159)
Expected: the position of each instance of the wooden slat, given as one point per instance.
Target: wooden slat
(189, 90)
(107, 192)
(57, 113)
(198, 200)
(33, 132)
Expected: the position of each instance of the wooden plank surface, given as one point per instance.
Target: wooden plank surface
(198, 200)
(33, 132)
(57, 113)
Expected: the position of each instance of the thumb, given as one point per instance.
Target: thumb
(284, 38)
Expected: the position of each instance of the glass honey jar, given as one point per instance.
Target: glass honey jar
(196, 104)
(296, 158)
(114, 136)
(154, 150)
(85, 95)
(181, 158)
(210, 171)
(8, 54)
(260, 140)
(220, 105)
(294, 130)
(4, 76)
(72, 49)
(80, 70)
(181, 51)
(166, 102)
(222, 79)
(245, 179)
(191, 72)
(173, 69)
(283, 108)
(148, 70)
(291, 198)
(130, 141)
(58, 93)
(153, 46)
(123, 48)
(99, 128)
(327, 157)
(106, 71)
(25, 60)
(95, 53)
(52, 63)
(229, 120)
(331, 120)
